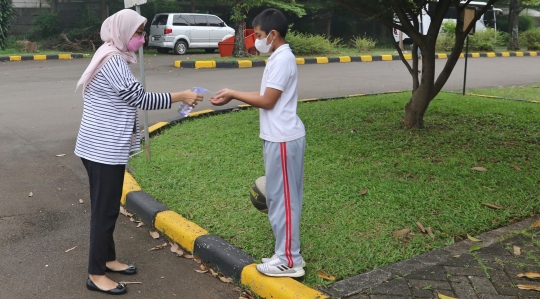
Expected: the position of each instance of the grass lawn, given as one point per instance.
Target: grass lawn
(522, 92)
(203, 167)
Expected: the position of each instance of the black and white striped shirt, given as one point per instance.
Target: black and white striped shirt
(109, 127)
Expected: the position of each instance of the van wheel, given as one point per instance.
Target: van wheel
(163, 50)
(209, 50)
(181, 47)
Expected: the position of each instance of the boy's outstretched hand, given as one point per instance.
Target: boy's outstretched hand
(222, 97)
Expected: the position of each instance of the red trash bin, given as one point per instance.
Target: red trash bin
(226, 46)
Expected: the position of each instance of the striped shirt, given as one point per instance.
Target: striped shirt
(109, 128)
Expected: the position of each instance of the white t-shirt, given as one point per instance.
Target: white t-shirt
(281, 123)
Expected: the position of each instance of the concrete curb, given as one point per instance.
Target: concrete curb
(205, 64)
(41, 57)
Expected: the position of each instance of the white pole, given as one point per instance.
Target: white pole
(145, 112)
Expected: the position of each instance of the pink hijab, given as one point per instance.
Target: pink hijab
(116, 32)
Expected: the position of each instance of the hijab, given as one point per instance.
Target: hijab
(116, 31)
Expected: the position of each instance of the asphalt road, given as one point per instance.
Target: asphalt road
(39, 118)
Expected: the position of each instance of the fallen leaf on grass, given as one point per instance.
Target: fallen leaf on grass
(421, 227)
(475, 248)
(492, 206)
(441, 296)
(362, 192)
(214, 273)
(154, 234)
(400, 233)
(473, 238)
(517, 250)
(31, 194)
(536, 223)
(225, 279)
(430, 233)
(70, 249)
(190, 215)
(325, 276)
(174, 247)
(60, 155)
(457, 255)
(247, 294)
(528, 287)
(516, 167)
(158, 247)
(81, 201)
(531, 275)
(479, 168)
(140, 224)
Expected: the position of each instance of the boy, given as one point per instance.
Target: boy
(284, 142)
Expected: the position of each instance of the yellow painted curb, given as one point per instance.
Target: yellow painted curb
(505, 54)
(491, 55)
(386, 57)
(179, 229)
(345, 59)
(322, 60)
(533, 53)
(366, 58)
(273, 287)
(64, 56)
(484, 96)
(15, 58)
(40, 57)
(205, 64)
(356, 95)
(519, 54)
(157, 126)
(245, 63)
(178, 63)
(244, 105)
(200, 112)
(442, 56)
(407, 56)
(461, 55)
(475, 55)
(300, 61)
(130, 185)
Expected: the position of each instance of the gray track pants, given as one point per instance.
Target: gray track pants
(284, 168)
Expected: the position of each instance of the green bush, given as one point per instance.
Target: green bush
(310, 44)
(88, 24)
(44, 26)
(531, 39)
(363, 44)
(484, 40)
(6, 16)
(448, 28)
(445, 43)
(525, 23)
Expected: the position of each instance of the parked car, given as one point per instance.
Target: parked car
(181, 31)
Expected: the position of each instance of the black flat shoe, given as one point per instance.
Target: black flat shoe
(119, 290)
(131, 269)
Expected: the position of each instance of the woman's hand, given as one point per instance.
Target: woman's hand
(222, 97)
(187, 96)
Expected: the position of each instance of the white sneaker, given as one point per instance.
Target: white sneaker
(267, 259)
(277, 268)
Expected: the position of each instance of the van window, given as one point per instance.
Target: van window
(160, 20)
(214, 21)
(200, 21)
(179, 21)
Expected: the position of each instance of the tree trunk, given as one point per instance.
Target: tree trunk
(329, 25)
(104, 10)
(192, 6)
(422, 96)
(239, 44)
(514, 25)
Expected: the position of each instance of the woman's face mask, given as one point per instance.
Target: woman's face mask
(135, 43)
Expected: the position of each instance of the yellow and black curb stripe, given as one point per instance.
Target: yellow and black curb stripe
(213, 250)
(41, 57)
(501, 98)
(207, 64)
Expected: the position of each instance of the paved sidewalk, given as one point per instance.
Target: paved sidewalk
(455, 271)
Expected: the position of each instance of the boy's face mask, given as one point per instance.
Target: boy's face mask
(261, 46)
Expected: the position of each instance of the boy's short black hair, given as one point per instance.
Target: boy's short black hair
(272, 19)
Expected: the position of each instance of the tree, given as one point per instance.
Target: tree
(403, 15)
(515, 8)
(240, 9)
(321, 10)
(6, 16)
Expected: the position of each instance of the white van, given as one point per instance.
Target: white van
(489, 19)
(180, 31)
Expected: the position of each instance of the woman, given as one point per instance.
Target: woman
(109, 132)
